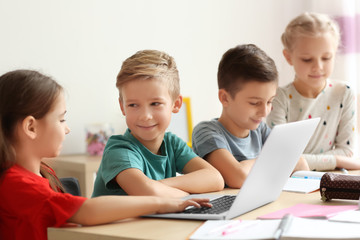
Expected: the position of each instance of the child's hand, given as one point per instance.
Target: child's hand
(301, 165)
(348, 163)
(179, 205)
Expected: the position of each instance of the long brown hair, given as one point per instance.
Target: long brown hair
(24, 93)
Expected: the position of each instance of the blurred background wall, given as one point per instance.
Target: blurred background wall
(82, 44)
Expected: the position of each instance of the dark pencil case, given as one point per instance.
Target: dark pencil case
(339, 186)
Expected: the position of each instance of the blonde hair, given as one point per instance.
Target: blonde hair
(309, 24)
(150, 64)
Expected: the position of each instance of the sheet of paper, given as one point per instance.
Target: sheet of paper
(301, 185)
(347, 216)
(256, 230)
(305, 228)
(309, 211)
(300, 228)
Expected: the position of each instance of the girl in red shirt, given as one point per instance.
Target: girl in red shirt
(33, 127)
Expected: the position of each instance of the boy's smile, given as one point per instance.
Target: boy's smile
(147, 106)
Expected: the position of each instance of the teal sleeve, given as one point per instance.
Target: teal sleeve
(182, 152)
(117, 160)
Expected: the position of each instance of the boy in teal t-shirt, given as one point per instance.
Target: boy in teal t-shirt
(135, 155)
(145, 160)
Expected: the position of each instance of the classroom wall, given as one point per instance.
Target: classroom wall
(82, 44)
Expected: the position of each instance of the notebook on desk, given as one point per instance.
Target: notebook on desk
(267, 177)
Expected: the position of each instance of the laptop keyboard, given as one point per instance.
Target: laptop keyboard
(220, 205)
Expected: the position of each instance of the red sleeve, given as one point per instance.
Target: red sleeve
(61, 206)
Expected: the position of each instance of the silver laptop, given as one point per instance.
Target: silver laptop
(267, 177)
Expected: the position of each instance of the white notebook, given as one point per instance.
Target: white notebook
(300, 228)
(303, 182)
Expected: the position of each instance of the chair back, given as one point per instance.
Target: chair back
(71, 185)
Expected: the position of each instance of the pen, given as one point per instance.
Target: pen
(238, 227)
(283, 226)
(307, 177)
(221, 228)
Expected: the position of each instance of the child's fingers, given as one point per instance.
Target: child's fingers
(200, 202)
(178, 205)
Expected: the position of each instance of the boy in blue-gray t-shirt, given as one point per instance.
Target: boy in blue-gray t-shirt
(212, 135)
(247, 80)
(145, 160)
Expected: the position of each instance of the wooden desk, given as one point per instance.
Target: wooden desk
(165, 229)
(83, 167)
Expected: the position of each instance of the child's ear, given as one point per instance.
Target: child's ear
(121, 106)
(287, 56)
(28, 126)
(177, 104)
(224, 97)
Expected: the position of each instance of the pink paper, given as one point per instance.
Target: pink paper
(309, 210)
